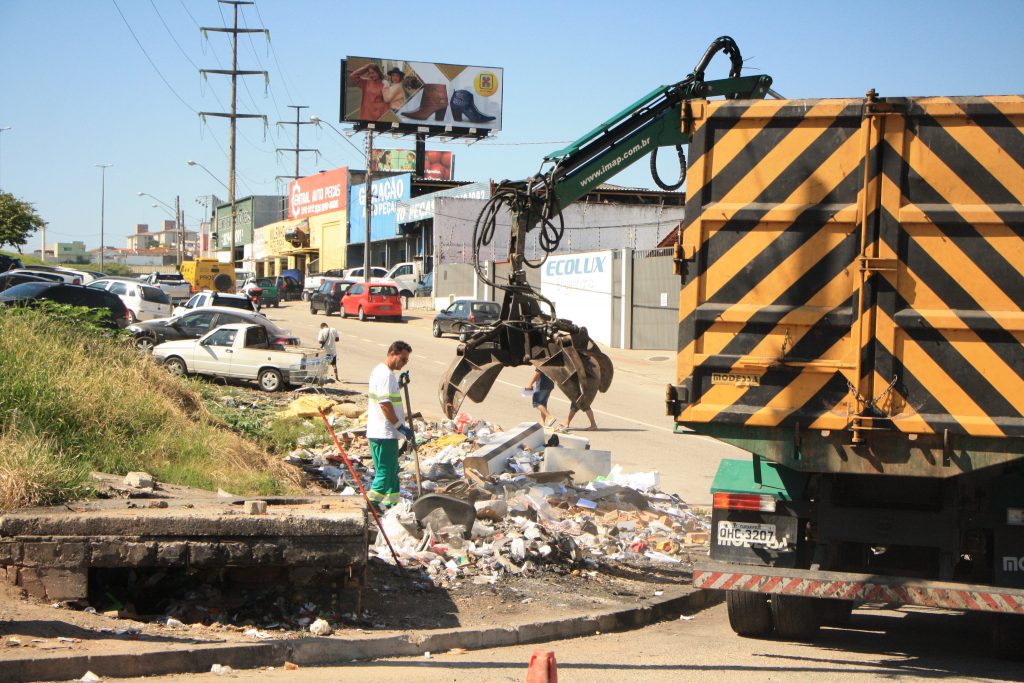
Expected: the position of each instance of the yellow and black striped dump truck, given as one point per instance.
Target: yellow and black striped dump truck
(852, 314)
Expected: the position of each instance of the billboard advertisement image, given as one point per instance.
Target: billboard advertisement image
(414, 94)
(436, 165)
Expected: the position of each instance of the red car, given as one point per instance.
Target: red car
(375, 299)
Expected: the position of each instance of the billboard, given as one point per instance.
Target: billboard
(387, 193)
(316, 194)
(413, 94)
(436, 165)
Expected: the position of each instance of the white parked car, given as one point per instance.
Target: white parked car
(357, 273)
(243, 351)
(143, 302)
(210, 298)
(54, 274)
(178, 289)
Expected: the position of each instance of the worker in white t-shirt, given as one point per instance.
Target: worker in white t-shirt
(327, 339)
(385, 424)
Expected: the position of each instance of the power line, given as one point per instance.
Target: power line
(273, 52)
(150, 59)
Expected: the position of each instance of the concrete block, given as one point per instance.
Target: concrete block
(10, 553)
(39, 554)
(139, 480)
(255, 507)
(586, 464)
(493, 458)
(172, 554)
(65, 584)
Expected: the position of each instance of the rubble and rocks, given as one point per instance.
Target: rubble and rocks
(501, 504)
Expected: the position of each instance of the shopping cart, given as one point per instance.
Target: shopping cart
(318, 373)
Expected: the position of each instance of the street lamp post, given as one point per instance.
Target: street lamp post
(103, 209)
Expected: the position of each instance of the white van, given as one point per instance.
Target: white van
(144, 302)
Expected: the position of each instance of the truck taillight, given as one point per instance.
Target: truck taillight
(744, 501)
(472, 318)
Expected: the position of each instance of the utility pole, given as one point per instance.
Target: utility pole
(369, 207)
(296, 149)
(179, 238)
(103, 209)
(234, 72)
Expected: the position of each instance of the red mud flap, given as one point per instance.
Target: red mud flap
(860, 588)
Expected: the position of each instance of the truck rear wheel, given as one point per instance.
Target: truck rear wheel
(796, 617)
(749, 613)
(1008, 636)
(835, 612)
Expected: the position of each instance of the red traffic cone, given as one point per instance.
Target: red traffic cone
(543, 667)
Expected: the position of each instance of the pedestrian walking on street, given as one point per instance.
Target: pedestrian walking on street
(541, 386)
(385, 424)
(328, 339)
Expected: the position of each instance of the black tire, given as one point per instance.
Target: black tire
(463, 333)
(437, 329)
(835, 612)
(176, 366)
(312, 308)
(1008, 636)
(145, 343)
(796, 617)
(749, 613)
(270, 380)
(223, 283)
(362, 315)
(132, 318)
(342, 312)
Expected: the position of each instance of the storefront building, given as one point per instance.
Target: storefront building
(250, 213)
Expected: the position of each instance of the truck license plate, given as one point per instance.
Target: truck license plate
(730, 533)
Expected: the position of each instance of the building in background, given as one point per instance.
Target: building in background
(141, 238)
(251, 212)
(166, 238)
(70, 252)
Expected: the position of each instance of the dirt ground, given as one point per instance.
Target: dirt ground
(264, 608)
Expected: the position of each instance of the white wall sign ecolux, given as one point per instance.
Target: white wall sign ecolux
(580, 285)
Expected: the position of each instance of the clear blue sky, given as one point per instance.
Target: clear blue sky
(78, 90)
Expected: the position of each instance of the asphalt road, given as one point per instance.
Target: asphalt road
(630, 416)
(906, 645)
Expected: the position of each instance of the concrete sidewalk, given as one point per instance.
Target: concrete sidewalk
(149, 659)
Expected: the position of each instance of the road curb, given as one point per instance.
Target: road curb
(322, 651)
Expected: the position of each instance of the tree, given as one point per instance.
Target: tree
(18, 220)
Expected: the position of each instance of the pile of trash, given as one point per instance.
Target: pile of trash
(497, 503)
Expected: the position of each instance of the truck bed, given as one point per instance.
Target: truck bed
(852, 278)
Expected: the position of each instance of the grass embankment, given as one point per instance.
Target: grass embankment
(73, 401)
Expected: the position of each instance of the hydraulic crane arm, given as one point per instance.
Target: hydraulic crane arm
(525, 334)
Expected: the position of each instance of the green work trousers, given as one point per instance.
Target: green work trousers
(384, 492)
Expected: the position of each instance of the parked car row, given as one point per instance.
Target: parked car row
(142, 301)
(196, 323)
(30, 293)
(359, 298)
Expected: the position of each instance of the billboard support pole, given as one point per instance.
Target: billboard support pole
(368, 206)
(421, 153)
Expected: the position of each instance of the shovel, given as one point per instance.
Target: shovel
(403, 381)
